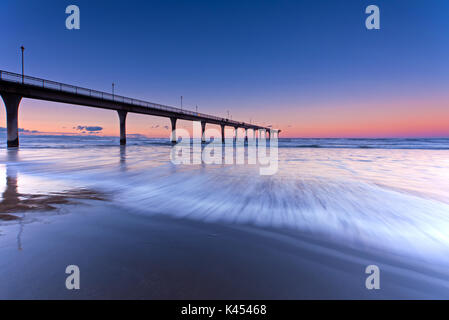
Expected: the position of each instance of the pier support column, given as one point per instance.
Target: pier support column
(268, 133)
(122, 117)
(12, 102)
(173, 129)
(203, 128)
(246, 134)
(223, 134)
(236, 133)
(254, 134)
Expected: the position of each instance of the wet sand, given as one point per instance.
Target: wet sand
(130, 256)
(139, 228)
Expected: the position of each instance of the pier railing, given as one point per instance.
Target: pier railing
(63, 87)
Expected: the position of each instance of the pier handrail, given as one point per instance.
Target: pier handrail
(63, 87)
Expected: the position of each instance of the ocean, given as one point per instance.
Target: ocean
(139, 226)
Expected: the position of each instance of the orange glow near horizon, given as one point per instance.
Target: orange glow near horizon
(399, 118)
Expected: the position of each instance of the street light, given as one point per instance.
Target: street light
(197, 109)
(181, 103)
(113, 90)
(22, 48)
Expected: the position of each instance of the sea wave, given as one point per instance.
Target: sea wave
(394, 200)
(77, 141)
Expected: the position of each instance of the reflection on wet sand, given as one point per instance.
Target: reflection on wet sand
(123, 158)
(15, 202)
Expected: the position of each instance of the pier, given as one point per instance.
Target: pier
(14, 87)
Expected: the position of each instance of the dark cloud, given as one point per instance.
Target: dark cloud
(3, 129)
(90, 129)
(135, 135)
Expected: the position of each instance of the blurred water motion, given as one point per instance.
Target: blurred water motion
(390, 197)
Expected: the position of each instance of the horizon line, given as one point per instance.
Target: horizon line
(138, 135)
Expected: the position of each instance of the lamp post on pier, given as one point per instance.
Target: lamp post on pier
(23, 72)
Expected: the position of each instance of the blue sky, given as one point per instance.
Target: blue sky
(266, 60)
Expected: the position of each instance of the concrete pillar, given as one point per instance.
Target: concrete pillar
(173, 129)
(236, 132)
(223, 133)
(203, 128)
(254, 134)
(12, 102)
(246, 134)
(122, 117)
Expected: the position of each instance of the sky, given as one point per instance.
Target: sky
(308, 67)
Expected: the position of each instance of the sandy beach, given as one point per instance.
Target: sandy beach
(139, 227)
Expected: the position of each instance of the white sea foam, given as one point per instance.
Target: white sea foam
(395, 200)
